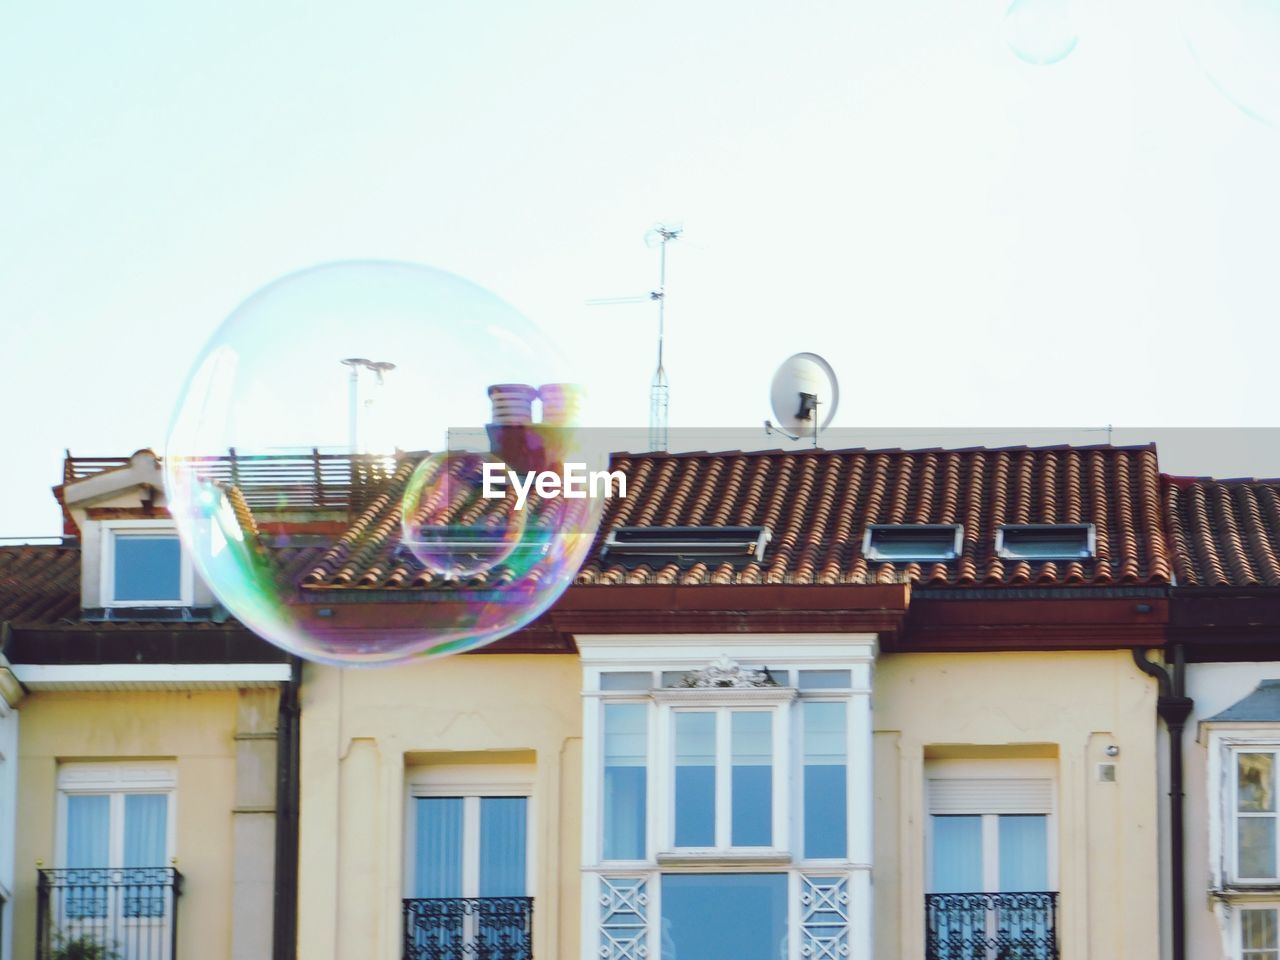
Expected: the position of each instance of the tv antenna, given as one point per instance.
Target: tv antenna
(380, 368)
(660, 386)
(804, 395)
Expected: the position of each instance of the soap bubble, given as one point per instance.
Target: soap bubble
(1040, 32)
(1237, 44)
(327, 458)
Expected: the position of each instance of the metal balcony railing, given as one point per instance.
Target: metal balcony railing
(119, 913)
(991, 926)
(469, 928)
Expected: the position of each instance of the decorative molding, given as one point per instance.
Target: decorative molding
(824, 917)
(724, 672)
(624, 918)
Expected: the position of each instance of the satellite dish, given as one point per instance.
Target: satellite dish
(805, 395)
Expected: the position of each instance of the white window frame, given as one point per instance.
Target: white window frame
(470, 782)
(116, 780)
(1237, 933)
(682, 653)
(111, 529)
(1233, 815)
(1224, 739)
(995, 770)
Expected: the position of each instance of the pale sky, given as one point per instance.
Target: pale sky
(970, 240)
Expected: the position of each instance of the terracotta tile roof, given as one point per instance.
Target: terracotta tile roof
(39, 584)
(816, 505)
(1224, 532)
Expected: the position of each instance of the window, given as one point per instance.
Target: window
(729, 543)
(1045, 541)
(115, 845)
(1254, 846)
(1259, 939)
(727, 809)
(143, 565)
(912, 543)
(469, 864)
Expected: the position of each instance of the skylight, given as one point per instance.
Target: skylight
(703, 542)
(912, 542)
(1045, 541)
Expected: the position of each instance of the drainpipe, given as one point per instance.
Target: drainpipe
(284, 926)
(1173, 706)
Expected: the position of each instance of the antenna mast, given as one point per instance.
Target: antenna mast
(660, 389)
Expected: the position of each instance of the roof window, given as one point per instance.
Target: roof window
(912, 542)
(704, 542)
(1045, 541)
(143, 565)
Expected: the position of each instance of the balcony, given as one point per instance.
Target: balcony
(128, 913)
(474, 928)
(991, 926)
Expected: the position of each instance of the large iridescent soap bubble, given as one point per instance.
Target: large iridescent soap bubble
(372, 462)
(1237, 44)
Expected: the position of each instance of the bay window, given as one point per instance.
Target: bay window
(727, 806)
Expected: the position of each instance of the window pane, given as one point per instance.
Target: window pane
(825, 679)
(145, 829)
(630, 680)
(695, 779)
(88, 830)
(1257, 847)
(752, 784)
(1258, 931)
(721, 916)
(147, 568)
(625, 756)
(957, 854)
(1256, 779)
(825, 781)
(1024, 849)
(438, 857)
(502, 846)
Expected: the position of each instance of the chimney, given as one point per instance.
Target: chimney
(561, 403)
(512, 404)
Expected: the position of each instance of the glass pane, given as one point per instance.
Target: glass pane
(825, 679)
(88, 830)
(826, 781)
(88, 839)
(626, 681)
(751, 791)
(1257, 847)
(1256, 778)
(721, 916)
(438, 857)
(1024, 853)
(147, 568)
(145, 829)
(625, 776)
(957, 854)
(503, 845)
(695, 779)
(1258, 929)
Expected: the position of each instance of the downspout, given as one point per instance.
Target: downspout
(284, 926)
(1173, 707)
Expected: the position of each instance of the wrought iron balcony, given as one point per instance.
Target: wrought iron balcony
(469, 928)
(991, 926)
(124, 913)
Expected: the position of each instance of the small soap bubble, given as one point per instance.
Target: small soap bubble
(1040, 32)
(327, 460)
(1237, 44)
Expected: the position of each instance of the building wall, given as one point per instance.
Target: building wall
(1066, 706)
(365, 731)
(196, 731)
(1213, 687)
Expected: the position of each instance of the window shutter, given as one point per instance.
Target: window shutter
(971, 796)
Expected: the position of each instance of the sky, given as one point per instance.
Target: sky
(971, 240)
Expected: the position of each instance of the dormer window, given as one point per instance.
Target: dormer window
(705, 543)
(143, 565)
(1045, 541)
(912, 542)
